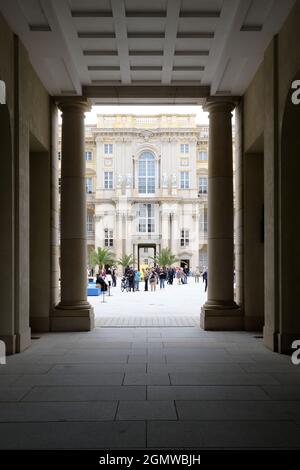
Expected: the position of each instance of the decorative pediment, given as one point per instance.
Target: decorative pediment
(146, 134)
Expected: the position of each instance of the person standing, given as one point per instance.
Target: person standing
(153, 280)
(205, 278)
(162, 278)
(171, 275)
(146, 278)
(137, 280)
(114, 277)
(197, 275)
(109, 277)
(130, 275)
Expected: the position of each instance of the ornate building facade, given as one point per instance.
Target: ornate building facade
(146, 184)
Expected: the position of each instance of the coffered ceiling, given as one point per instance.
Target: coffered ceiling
(93, 43)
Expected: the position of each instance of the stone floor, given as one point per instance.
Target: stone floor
(149, 387)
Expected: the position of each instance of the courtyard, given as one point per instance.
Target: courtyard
(175, 305)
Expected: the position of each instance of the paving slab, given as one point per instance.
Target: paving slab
(61, 411)
(222, 434)
(220, 378)
(108, 392)
(87, 435)
(9, 394)
(194, 392)
(70, 380)
(97, 368)
(146, 410)
(283, 392)
(231, 410)
(147, 379)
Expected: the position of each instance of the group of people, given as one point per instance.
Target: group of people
(152, 277)
(106, 278)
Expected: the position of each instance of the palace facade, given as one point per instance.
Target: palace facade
(146, 184)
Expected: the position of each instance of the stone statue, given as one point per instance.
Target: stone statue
(119, 180)
(128, 180)
(174, 180)
(164, 181)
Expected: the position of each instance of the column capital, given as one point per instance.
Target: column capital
(220, 104)
(73, 103)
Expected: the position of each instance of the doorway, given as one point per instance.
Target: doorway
(185, 263)
(254, 272)
(146, 256)
(39, 237)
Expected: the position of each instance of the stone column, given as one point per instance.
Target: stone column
(220, 311)
(135, 255)
(118, 234)
(165, 235)
(73, 313)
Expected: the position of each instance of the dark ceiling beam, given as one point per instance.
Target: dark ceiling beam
(192, 92)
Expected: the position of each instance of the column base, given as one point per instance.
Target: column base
(16, 343)
(23, 340)
(66, 318)
(222, 319)
(270, 339)
(10, 344)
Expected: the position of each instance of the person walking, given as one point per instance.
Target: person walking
(205, 278)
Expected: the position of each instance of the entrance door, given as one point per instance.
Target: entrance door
(146, 253)
(185, 263)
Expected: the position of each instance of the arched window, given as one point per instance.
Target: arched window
(147, 173)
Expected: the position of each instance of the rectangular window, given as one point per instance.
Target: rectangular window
(89, 223)
(59, 155)
(203, 222)
(184, 237)
(184, 148)
(108, 148)
(108, 238)
(184, 180)
(59, 185)
(202, 185)
(202, 156)
(89, 185)
(108, 179)
(88, 156)
(146, 219)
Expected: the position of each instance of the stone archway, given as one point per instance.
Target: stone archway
(7, 317)
(289, 319)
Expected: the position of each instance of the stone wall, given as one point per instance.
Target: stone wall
(28, 109)
(264, 108)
